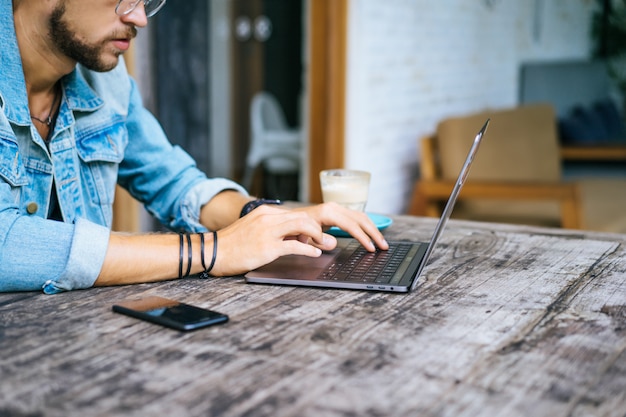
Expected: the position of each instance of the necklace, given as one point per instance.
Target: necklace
(48, 119)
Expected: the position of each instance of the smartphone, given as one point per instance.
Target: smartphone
(170, 313)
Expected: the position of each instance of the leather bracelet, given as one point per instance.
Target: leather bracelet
(205, 274)
(180, 255)
(189, 255)
(251, 205)
(202, 252)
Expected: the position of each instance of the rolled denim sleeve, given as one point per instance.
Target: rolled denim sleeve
(39, 254)
(198, 196)
(88, 248)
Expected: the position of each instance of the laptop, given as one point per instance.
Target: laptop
(350, 266)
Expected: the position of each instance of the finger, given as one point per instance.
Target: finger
(361, 227)
(295, 247)
(363, 238)
(357, 224)
(301, 227)
(328, 242)
(374, 234)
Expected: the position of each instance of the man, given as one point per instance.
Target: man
(72, 125)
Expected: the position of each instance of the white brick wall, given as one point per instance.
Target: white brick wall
(413, 62)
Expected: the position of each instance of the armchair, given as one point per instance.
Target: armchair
(517, 175)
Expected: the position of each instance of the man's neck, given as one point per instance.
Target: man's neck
(42, 62)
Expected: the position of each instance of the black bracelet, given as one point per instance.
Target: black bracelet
(189, 255)
(180, 256)
(205, 273)
(202, 252)
(251, 205)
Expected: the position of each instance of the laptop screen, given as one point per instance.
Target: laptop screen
(445, 216)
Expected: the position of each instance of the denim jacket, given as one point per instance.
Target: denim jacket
(103, 136)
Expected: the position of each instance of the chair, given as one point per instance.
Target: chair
(272, 143)
(517, 175)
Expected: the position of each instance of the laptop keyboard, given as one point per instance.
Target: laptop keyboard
(358, 265)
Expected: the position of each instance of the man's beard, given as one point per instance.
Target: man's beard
(85, 54)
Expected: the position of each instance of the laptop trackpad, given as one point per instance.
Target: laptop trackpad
(295, 266)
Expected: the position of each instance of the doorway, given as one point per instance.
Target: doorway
(266, 56)
(211, 58)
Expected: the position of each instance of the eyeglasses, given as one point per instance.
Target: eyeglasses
(151, 7)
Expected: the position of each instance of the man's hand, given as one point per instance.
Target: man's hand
(269, 232)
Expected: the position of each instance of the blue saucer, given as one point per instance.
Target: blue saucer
(382, 222)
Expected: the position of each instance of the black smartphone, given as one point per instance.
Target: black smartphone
(170, 313)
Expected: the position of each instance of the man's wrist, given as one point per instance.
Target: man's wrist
(251, 205)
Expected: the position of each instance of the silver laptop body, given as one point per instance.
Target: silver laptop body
(350, 266)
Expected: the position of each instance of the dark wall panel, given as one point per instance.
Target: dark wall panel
(181, 49)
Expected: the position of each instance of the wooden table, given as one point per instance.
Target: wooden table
(507, 321)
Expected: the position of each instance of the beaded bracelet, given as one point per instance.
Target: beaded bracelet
(205, 274)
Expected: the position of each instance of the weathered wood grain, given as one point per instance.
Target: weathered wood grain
(507, 320)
